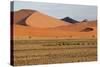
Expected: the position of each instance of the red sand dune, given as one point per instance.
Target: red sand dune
(40, 20)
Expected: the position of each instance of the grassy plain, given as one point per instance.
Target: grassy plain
(46, 51)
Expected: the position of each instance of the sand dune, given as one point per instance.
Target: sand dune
(78, 26)
(40, 20)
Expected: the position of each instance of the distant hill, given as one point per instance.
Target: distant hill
(85, 20)
(70, 20)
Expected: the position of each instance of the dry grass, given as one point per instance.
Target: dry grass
(48, 51)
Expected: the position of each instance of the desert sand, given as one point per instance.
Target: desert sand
(41, 25)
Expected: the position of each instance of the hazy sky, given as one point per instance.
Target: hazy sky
(78, 12)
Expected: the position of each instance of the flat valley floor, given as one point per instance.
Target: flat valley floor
(48, 51)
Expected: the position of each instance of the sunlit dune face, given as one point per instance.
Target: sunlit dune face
(43, 21)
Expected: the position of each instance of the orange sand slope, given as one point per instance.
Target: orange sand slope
(40, 20)
(41, 25)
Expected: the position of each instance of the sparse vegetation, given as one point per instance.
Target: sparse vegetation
(54, 51)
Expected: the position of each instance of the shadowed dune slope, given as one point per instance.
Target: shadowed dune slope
(19, 17)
